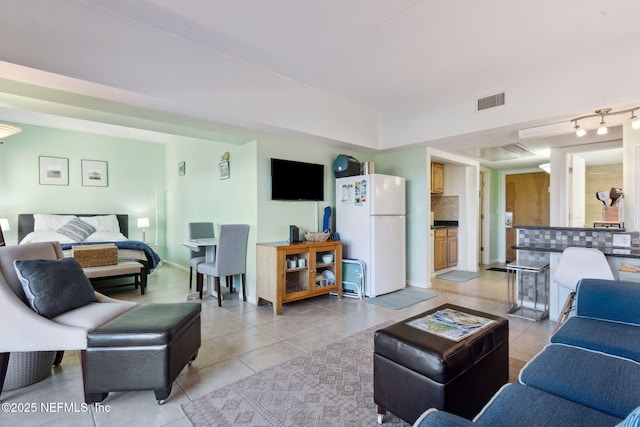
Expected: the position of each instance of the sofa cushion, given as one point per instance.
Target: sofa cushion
(53, 287)
(600, 381)
(521, 405)
(609, 299)
(77, 230)
(609, 337)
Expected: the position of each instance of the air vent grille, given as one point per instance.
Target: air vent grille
(491, 101)
(518, 150)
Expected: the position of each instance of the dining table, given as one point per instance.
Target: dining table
(209, 255)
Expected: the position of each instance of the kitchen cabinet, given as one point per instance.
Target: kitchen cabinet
(437, 178)
(440, 249)
(452, 247)
(288, 272)
(445, 250)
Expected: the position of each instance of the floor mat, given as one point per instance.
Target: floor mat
(458, 276)
(402, 298)
(504, 270)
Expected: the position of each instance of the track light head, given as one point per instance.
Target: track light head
(579, 131)
(635, 121)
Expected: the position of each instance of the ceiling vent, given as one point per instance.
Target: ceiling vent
(491, 101)
(518, 150)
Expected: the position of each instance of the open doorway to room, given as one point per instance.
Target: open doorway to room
(592, 176)
(526, 203)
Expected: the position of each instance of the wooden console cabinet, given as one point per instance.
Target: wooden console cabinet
(279, 282)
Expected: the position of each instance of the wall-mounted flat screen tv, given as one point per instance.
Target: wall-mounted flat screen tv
(291, 180)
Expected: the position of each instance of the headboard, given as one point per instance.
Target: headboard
(26, 223)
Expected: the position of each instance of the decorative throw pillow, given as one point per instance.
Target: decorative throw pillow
(76, 229)
(632, 420)
(54, 287)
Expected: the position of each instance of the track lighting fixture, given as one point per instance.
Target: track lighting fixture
(635, 122)
(602, 127)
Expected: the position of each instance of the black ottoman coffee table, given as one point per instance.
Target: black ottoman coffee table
(414, 370)
(144, 348)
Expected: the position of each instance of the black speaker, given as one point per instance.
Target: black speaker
(294, 234)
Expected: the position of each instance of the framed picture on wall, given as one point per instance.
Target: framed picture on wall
(95, 173)
(224, 170)
(54, 170)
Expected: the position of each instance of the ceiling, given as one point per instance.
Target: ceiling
(365, 74)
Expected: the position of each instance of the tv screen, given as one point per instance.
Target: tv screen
(292, 180)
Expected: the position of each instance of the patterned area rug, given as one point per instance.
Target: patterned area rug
(331, 386)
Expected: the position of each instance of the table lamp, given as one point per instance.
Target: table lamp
(144, 224)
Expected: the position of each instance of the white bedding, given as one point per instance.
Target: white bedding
(53, 236)
(106, 226)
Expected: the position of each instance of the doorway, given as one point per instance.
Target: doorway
(526, 203)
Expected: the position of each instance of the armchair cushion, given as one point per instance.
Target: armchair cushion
(54, 287)
(77, 230)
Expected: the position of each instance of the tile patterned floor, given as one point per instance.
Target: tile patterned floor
(240, 339)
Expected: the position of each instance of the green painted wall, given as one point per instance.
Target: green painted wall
(412, 165)
(144, 181)
(136, 175)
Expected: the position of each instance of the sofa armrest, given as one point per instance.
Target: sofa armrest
(433, 417)
(609, 300)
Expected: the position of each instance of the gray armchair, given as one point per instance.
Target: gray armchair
(198, 230)
(231, 258)
(24, 330)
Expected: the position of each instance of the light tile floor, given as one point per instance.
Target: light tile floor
(240, 339)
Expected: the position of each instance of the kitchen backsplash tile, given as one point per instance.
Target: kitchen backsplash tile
(445, 208)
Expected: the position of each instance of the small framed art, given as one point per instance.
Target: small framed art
(224, 169)
(95, 173)
(54, 170)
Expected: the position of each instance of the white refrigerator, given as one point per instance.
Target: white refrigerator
(370, 218)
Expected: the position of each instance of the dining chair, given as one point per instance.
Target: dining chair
(575, 264)
(231, 259)
(198, 230)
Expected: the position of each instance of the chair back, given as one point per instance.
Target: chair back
(8, 254)
(231, 251)
(200, 230)
(578, 263)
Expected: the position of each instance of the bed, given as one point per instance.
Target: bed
(108, 228)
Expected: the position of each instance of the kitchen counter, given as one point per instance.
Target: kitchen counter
(444, 224)
(606, 250)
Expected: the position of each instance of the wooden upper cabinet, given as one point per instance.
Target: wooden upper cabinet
(437, 178)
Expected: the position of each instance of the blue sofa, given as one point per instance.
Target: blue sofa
(589, 374)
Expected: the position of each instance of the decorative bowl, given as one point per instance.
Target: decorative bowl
(327, 258)
(317, 237)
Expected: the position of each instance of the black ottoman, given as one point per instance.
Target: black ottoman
(142, 349)
(414, 370)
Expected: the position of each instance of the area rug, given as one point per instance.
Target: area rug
(458, 276)
(331, 386)
(402, 298)
(504, 270)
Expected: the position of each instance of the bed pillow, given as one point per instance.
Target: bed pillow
(106, 223)
(50, 222)
(76, 229)
(54, 287)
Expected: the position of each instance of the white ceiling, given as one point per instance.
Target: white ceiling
(371, 74)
